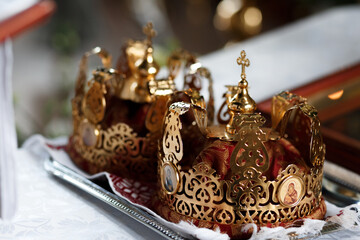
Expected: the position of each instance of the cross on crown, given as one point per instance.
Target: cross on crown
(244, 62)
(149, 31)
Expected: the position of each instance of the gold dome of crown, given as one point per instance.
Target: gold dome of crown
(117, 114)
(243, 170)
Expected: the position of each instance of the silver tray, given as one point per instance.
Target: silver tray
(57, 169)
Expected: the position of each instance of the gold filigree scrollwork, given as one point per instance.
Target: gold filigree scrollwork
(120, 140)
(246, 192)
(77, 110)
(81, 79)
(250, 150)
(194, 74)
(201, 118)
(202, 196)
(210, 107)
(282, 103)
(317, 147)
(223, 115)
(156, 113)
(94, 103)
(302, 124)
(162, 87)
(193, 81)
(118, 147)
(248, 196)
(172, 143)
(174, 62)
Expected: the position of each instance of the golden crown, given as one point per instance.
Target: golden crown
(243, 170)
(118, 114)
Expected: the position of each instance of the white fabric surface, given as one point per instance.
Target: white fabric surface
(8, 142)
(50, 209)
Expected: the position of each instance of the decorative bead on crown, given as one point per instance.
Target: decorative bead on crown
(241, 172)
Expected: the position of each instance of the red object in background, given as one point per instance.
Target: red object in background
(341, 138)
(22, 21)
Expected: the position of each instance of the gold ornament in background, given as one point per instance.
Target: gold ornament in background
(246, 193)
(118, 114)
(142, 69)
(242, 17)
(94, 103)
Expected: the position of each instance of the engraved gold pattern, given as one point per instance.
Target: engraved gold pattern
(250, 138)
(121, 141)
(304, 125)
(94, 103)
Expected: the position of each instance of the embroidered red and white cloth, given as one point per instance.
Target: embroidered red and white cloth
(135, 191)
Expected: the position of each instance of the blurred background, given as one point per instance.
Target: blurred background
(46, 59)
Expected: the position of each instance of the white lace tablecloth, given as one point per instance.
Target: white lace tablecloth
(51, 209)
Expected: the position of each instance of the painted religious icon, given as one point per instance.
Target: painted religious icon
(291, 195)
(89, 133)
(291, 191)
(170, 178)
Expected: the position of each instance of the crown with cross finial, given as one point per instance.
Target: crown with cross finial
(118, 113)
(239, 171)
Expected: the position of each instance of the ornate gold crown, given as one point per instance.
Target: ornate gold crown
(117, 117)
(244, 170)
